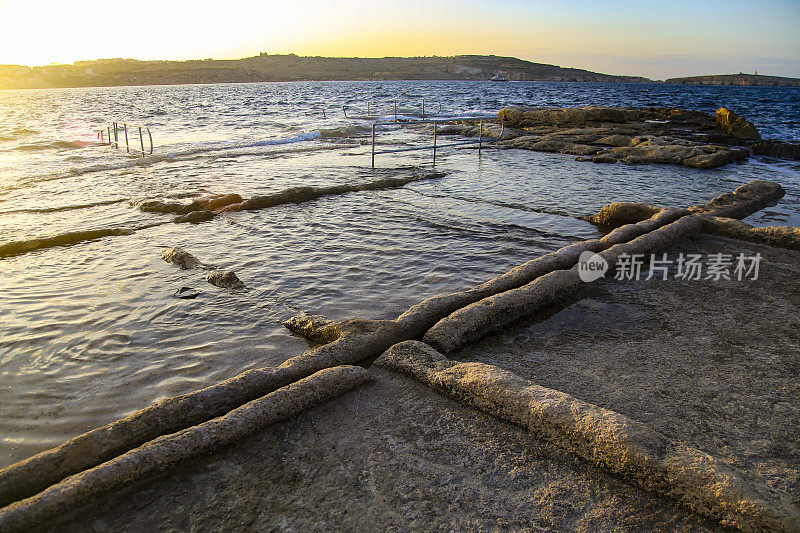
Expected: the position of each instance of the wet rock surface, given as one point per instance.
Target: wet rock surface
(779, 149)
(182, 258)
(392, 455)
(602, 437)
(630, 135)
(705, 362)
(227, 279)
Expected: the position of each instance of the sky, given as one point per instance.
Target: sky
(646, 38)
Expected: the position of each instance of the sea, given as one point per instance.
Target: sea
(91, 327)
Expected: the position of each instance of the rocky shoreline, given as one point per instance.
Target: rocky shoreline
(56, 484)
(634, 136)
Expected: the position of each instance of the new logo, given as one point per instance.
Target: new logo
(591, 266)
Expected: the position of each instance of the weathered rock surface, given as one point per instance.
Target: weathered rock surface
(475, 321)
(781, 236)
(182, 258)
(620, 213)
(169, 450)
(392, 455)
(628, 135)
(227, 279)
(744, 201)
(312, 327)
(604, 438)
(26, 478)
(734, 125)
(712, 363)
(779, 149)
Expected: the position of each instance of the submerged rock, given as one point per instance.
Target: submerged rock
(213, 203)
(312, 327)
(226, 279)
(186, 293)
(195, 217)
(181, 258)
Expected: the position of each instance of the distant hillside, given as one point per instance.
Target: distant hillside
(738, 79)
(265, 67)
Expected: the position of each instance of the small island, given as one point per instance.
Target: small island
(741, 79)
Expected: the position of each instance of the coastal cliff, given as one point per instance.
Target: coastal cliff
(290, 67)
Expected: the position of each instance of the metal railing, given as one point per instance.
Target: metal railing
(383, 108)
(434, 146)
(117, 136)
(313, 111)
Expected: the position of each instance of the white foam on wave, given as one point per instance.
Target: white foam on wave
(178, 152)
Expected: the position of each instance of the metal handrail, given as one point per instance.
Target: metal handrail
(313, 111)
(394, 110)
(116, 127)
(479, 141)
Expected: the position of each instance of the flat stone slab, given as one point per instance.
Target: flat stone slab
(652, 135)
(712, 363)
(392, 455)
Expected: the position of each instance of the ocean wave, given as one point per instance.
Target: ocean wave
(353, 130)
(186, 155)
(62, 208)
(52, 145)
(16, 133)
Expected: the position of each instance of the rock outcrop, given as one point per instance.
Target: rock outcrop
(778, 149)
(629, 135)
(227, 279)
(735, 126)
(182, 258)
(744, 201)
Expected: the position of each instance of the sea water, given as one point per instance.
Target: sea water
(91, 330)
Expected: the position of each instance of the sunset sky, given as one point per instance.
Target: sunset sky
(656, 40)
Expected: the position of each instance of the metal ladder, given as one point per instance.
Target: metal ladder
(116, 135)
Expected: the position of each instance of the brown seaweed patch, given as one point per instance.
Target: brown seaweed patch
(603, 437)
(168, 450)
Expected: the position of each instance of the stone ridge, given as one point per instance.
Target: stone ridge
(629, 135)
